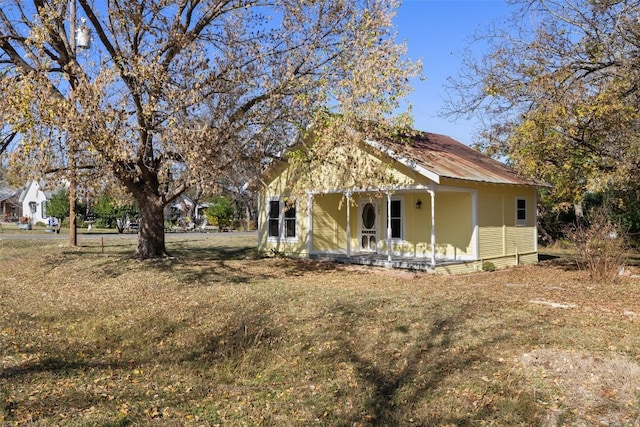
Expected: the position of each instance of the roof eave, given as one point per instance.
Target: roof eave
(525, 182)
(403, 160)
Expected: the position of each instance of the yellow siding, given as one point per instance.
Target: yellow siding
(491, 206)
(329, 178)
(491, 242)
(475, 266)
(329, 223)
(529, 259)
(454, 227)
(418, 226)
(499, 234)
(520, 240)
(459, 268)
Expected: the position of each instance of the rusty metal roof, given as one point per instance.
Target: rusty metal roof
(445, 157)
(7, 193)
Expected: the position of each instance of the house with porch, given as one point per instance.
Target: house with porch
(10, 207)
(33, 201)
(451, 210)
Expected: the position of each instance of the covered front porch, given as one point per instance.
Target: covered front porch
(10, 207)
(416, 227)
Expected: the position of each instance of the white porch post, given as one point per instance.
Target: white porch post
(389, 249)
(535, 223)
(309, 223)
(348, 230)
(261, 226)
(433, 227)
(474, 219)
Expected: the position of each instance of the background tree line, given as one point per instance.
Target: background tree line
(221, 212)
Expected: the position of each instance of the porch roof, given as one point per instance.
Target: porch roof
(7, 193)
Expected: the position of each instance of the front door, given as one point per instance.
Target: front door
(368, 226)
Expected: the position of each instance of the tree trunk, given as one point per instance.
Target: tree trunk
(151, 243)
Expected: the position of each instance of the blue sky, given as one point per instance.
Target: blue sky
(437, 32)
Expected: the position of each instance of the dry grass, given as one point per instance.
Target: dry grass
(218, 336)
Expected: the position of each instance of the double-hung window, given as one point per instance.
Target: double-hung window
(395, 217)
(290, 221)
(274, 218)
(521, 211)
(282, 220)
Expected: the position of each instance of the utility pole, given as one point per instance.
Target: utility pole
(73, 235)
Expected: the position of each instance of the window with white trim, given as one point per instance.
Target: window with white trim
(521, 211)
(282, 220)
(290, 221)
(396, 218)
(274, 218)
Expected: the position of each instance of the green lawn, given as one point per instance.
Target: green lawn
(220, 336)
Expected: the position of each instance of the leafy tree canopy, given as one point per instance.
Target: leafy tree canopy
(559, 91)
(58, 205)
(221, 210)
(176, 93)
(113, 212)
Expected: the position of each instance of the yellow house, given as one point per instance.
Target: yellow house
(451, 210)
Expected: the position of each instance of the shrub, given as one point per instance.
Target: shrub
(601, 246)
(102, 223)
(488, 266)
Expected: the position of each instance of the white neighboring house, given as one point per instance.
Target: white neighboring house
(34, 203)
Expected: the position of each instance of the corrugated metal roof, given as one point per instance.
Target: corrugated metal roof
(7, 193)
(446, 157)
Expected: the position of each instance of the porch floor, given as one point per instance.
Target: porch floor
(379, 260)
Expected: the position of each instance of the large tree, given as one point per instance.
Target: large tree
(559, 89)
(173, 93)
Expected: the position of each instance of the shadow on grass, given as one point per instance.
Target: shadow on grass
(63, 362)
(395, 383)
(137, 338)
(198, 265)
(231, 342)
(185, 251)
(212, 260)
(392, 382)
(122, 353)
(564, 261)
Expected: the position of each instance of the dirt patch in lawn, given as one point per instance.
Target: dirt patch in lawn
(600, 390)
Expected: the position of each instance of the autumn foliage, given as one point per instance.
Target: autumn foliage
(174, 94)
(557, 90)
